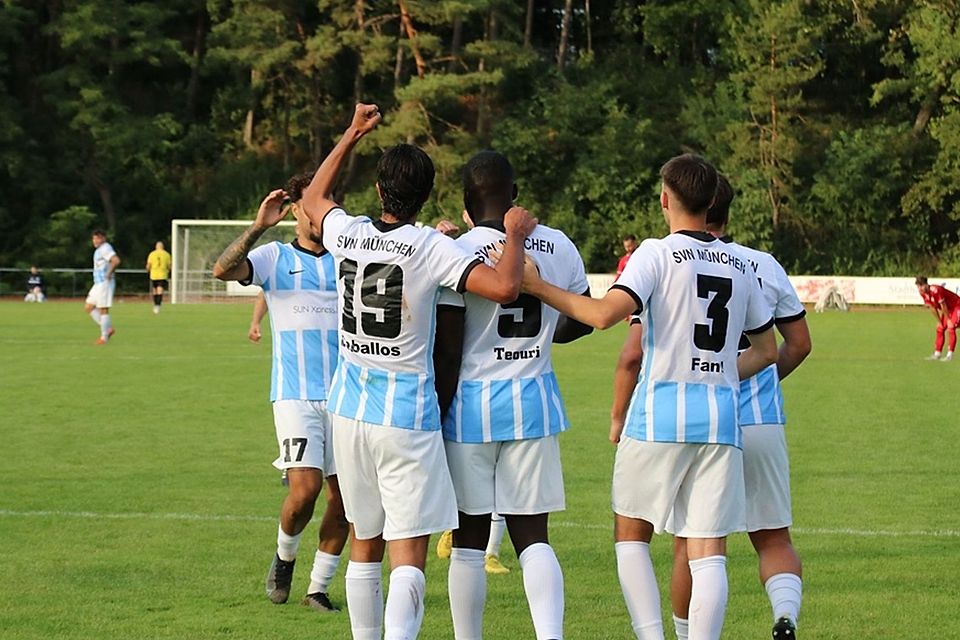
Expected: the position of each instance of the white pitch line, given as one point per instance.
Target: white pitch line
(564, 524)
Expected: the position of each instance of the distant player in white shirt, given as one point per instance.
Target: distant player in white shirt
(495, 374)
(765, 464)
(100, 298)
(393, 470)
(299, 287)
(679, 459)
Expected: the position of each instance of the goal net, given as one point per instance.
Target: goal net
(196, 245)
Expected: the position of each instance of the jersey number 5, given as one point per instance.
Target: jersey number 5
(522, 319)
(381, 288)
(712, 337)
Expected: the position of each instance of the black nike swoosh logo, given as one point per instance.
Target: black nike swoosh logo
(293, 272)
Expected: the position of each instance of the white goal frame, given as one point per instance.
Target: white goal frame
(183, 274)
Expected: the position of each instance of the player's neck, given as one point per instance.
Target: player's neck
(683, 221)
(388, 218)
(309, 245)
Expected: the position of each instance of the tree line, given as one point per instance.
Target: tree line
(838, 121)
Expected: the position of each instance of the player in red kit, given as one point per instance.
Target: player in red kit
(946, 307)
(629, 246)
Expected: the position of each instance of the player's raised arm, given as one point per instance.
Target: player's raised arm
(761, 354)
(232, 263)
(501, 283)
(318, 196)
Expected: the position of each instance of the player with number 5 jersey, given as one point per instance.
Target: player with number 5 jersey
(506, 412)
(394, 477)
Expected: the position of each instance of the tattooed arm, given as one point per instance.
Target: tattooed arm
(232, 263)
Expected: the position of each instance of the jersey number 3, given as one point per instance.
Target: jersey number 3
(713, 336)
(381, 289)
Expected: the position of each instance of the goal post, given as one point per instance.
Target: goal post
(196, 245)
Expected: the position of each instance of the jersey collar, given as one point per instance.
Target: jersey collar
(384, 227)
(702, 236)
(492, 224)
(315, 254)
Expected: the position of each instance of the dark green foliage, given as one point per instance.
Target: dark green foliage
(837, 122)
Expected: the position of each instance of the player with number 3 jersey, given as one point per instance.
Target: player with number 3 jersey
(679, 456)
(394, 477)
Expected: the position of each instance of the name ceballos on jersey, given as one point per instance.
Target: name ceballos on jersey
(368, 348)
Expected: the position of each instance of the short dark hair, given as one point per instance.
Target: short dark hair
(487, 176)
(99, 232)
(296, 184)
(719, 212)
(920, 280)
(692, 179)
(405, 174)
(629, 236)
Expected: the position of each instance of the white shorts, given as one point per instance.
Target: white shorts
(766, 476)
(393, 481)
(101, 294)
(304, 435)
(690, 490)
(518, 477)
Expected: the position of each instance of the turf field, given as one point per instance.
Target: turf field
(138, 500)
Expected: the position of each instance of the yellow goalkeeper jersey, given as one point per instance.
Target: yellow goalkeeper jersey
(159, 261)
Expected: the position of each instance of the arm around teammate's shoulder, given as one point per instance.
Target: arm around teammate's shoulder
(502, 282)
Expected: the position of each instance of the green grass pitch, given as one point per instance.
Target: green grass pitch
(138, 500)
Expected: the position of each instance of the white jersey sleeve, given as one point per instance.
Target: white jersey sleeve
(448, 263)
(642, 273)
(263, 263)
(789, 307)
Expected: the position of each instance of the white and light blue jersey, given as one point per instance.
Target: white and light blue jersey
(507, 389)
(301, 292)
(101, 262)
(696, 297)
(761, 399)
(389, 278)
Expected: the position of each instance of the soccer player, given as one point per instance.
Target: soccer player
(679, 456)
(36, 291)
(299, 286)
(395, 482)
(629, 246)
(945, 305)
(100, 298)
(766, 468)
(501, 428)
(158, 265)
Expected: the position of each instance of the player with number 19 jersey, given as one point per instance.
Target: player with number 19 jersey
(507, 389)
(688, 392)
(389, 278)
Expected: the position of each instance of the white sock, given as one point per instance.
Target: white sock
(681, 627)
(639, 585)
(404, 611)
(497, 527)
(365, 599)
(324, 566)
(287, 545)
(467, 586)
(936, 354)
(785, 591)
(543, 583)
(104, 325)
(708, 597)
(95, 316)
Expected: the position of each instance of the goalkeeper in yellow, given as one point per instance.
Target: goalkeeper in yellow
(158, 265)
